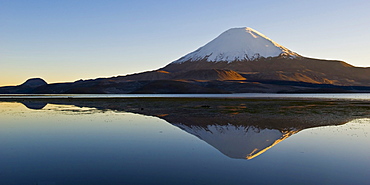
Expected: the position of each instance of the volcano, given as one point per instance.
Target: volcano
(240, 60)
(238, 44)
(256, 57)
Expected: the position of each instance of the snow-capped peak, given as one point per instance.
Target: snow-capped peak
(238, 44)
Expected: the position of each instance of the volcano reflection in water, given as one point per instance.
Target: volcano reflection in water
(238, 142)
(241, 129)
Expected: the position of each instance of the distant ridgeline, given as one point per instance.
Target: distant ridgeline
(240, 60)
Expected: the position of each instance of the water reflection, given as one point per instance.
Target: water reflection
(238, 128)
(237, 141)
(34, 104)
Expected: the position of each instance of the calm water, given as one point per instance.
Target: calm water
(138, 142)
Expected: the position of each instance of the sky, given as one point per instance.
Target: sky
(64, 41)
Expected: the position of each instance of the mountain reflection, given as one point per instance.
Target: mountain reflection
(239, 142)
(238, 128)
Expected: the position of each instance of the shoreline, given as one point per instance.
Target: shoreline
(239, 96)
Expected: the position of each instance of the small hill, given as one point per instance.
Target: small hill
(34, 82)
(27, 87)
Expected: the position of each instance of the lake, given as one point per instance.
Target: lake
(151, 140)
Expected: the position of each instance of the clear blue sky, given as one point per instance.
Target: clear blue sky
(82, 39)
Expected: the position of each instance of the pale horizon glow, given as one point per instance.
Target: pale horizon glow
(64, 41)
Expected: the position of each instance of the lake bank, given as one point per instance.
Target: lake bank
(346, 96)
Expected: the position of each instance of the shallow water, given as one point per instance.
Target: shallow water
(354, 96)
(140, 142)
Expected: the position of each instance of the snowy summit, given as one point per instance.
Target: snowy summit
(238, 44)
